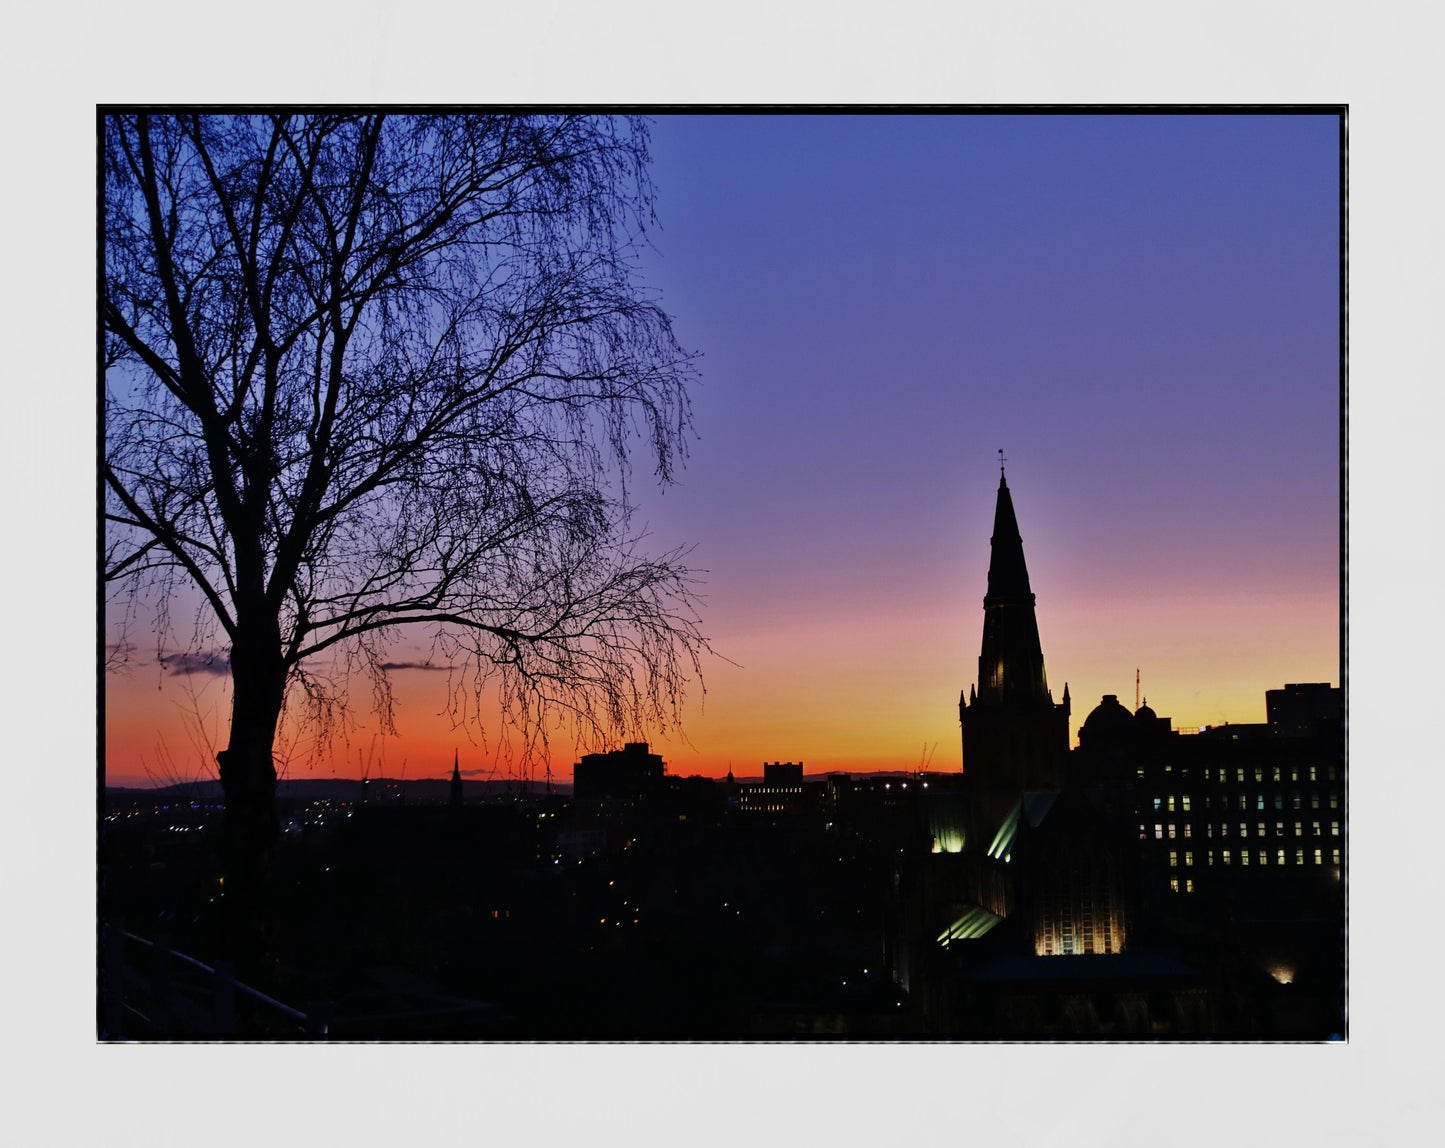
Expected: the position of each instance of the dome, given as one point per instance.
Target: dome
(1107, 717)
(1145, 714)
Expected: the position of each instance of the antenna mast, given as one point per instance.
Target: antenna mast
(1136, 687)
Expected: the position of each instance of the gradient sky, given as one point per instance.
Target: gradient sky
(1142, 311)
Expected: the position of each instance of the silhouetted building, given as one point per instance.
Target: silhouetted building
(625, 773)
(1299, 710)
(454, 795)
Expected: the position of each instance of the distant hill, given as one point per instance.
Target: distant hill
(422, 789)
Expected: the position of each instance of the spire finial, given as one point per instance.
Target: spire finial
(1001, 461)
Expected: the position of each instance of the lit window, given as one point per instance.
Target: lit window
(1319, 856)
(1158, 801)
(1334, 828)
(1315, 825)
(1185, 801)
(1225, 856)
(1209, 857)
(1314, 800)
(1158, 831)
(1279, 857)
(1264, 857)
(1299, 856)
(1189, 885)
(1171, 829)
(1299, 829)
(1294, 773)
(1313, 777)
(1334, 801)
(1174, 884)
(1189, 858)
(1243, 829)
(1170, 805)
(1279, 828)
(1186, 830)
(1259, 830)
(1276, 773)
(1239, 774)
(1259, 773)
(1244, 856)
(1259, 801)
(1334, 856)
(1173, 860)
(1243, 801)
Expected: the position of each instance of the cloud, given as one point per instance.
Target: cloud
(203, 662)
(475, 772)
(412, 666)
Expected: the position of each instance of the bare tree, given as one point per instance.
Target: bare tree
(366, 372)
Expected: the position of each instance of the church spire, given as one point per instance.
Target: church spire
(455, 797)
(1011, 662)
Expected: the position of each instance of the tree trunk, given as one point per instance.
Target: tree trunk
(248, 779)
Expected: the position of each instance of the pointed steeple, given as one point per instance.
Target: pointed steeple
(1011, 662)
(455, 797)
(1008, 574)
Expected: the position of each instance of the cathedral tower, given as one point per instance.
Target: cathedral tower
(1015, 739)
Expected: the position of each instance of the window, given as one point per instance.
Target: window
(1276, 773)
(1279, 800)
(1299, 829)
(1299, 856)
(1189, 884)
(1264, 856)
(1294, 773)
(1171, 803)
(1244, 856)
(1334, 828)
(1239, 773)
(1158, 830)
(1334, 801)
(1186, 830)
(1174, 884)
(1243, 801)
(1157, 802)
(1259, 801)
(1171, 829)
(1330, 773)
(1189, 857)
(1225, 856)
(1185, 802)
(1173, 859)
(1279, 828)
(1314, 800)
(1259, 830)
(1259, 773)
(1209, 857)
(1279, 857)
(1334, 856)
(1243, 829)
(1315, 825)
(1319, 856)
(1294, 800)
(1313, 776)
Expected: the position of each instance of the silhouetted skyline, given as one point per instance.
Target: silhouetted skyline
(1141, 310)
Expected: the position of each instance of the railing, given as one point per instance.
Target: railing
(170, 1002)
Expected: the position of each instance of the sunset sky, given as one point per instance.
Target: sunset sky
(1141, 311)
